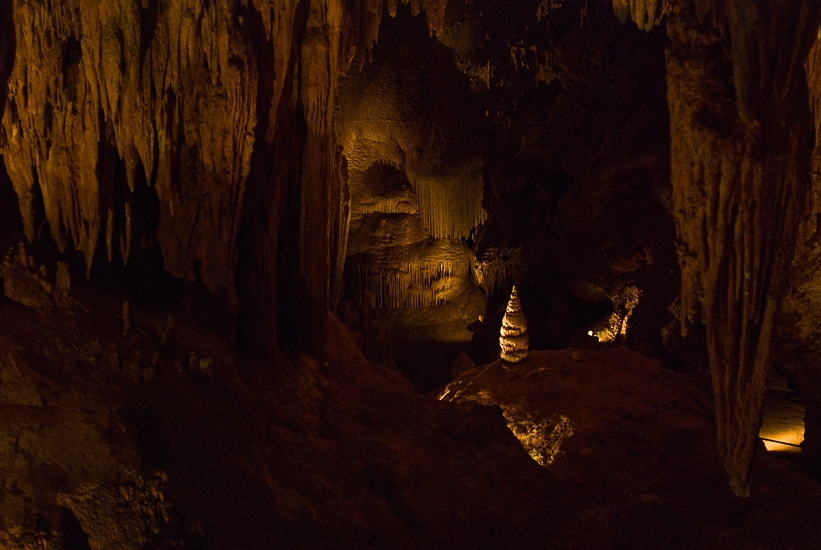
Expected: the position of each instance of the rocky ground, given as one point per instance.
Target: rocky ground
(633, 446)
(153, 438)
(157, 437)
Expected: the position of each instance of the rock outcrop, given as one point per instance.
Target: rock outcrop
(740, 131)
(414, 173)
(634, 445)
(104, 448)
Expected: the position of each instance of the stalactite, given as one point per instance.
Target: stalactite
(645, 13)
(172, 86)
(450, 209)
(91, 85)
(418, 284)
(497, 269)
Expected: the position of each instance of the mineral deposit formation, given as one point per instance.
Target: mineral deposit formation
(513, 337)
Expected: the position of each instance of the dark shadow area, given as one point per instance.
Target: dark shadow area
(11, 223)
(222, 423)
(135, 266)
(271, 316)
(73, 535)
(141, 278)
(427, 364)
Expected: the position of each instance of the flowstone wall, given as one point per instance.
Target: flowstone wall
(411, 134)
(223, 110)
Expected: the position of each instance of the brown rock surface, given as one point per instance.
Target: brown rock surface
(740, 129)
(223, 152)
(634, 446)
(127, 122)
(345, 454)
(410, 134)
(340, 454)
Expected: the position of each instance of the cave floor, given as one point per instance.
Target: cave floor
(427, 341)
(135, 441)
(635, 446)
(782, 430)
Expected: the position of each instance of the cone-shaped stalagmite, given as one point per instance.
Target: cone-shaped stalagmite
(513, 337)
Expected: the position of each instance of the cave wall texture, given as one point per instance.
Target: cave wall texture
(195, 101)
(410, 134)
(741, 136)
(222, 115)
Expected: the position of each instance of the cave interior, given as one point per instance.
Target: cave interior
(368, 274)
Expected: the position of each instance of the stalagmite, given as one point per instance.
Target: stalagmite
(513, 337)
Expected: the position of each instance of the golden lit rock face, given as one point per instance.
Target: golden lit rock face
(170, 93)
(540, 431)
(645, 13)
(513, 338)
(623, 306)
(106, 100)
(568, 407)
(541, 439)
(136, 123)
(414, 173)
(740, 171)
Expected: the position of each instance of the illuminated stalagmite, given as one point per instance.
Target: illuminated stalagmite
(741, 134)
(513, 338)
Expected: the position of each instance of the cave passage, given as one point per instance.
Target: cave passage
(459, 274)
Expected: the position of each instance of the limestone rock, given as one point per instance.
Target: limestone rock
(414, 174)
(126, 318)
(63, 277)
(735, 259)
(513, 337)
(462, 364)
(809, 380)
(23, 283)
(132, 125)
(645, 13)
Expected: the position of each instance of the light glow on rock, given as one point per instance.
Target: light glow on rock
(513, 338)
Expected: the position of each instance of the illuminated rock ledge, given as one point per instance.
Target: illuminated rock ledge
(605, 415)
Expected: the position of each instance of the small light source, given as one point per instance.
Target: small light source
(590, 333)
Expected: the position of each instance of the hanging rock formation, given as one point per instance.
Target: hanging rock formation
(415, 175)
(513, 337)
(98, 94)
(116, 109)
(740, 133)
(646, 13)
